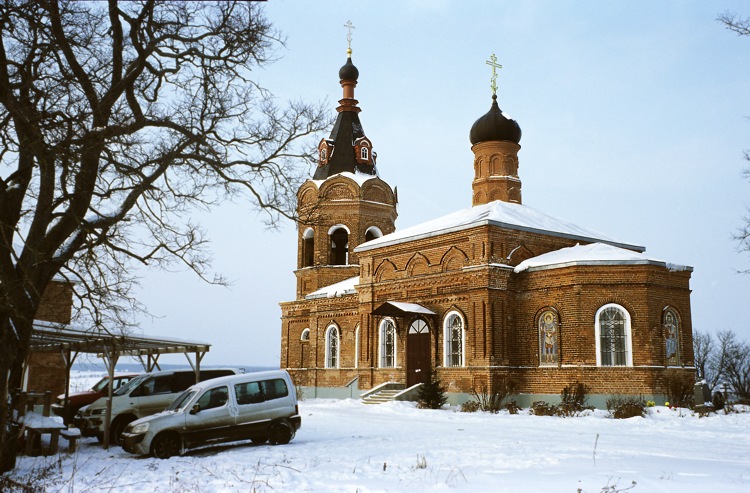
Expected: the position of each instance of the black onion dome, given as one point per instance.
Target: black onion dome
(494, 126)
(348, 71)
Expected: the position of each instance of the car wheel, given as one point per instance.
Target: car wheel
(166, 446)
(280, 433)
(118, 426)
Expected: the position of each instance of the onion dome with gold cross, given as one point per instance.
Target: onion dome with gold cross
(494, 125)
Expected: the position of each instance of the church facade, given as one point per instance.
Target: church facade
(496, 291)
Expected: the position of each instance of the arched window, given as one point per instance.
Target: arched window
(356, 347)
(332, 347)
(305, 335)
(419, 326)
(364, 153)
(387, 343)
(671, 324)
(339, 246)
(372, 233)
(549, 328)
(613, 344)
(323, 155)
(308, 248)
(453, 340)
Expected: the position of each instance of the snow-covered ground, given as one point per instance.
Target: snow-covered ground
(346, 446)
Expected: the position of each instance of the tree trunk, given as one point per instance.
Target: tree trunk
(12, 356)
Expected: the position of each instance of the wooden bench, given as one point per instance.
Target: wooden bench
(36, 425)
(71, 435)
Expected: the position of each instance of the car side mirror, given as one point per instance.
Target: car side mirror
(196, 409)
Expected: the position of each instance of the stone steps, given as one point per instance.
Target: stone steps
(385, 395)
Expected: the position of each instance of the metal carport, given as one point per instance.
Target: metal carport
(70, 342)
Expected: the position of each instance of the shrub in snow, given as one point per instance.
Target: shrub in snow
(470, 407)
(542, 408)
(491, 399)
(573, 399)
(512, 407)
(431, 394)
(680, 390)
(626, 407)
(718, 400)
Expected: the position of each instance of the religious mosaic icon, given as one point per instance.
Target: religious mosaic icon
(671, 331)
(548, 338)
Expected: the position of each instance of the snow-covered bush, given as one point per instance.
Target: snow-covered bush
(626, 407)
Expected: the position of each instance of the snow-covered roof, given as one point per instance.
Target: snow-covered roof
(593, 254)
(334, 290)
(498, 213)
(411, 307)
(358, 178)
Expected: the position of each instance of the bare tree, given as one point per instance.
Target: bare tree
(740, 26)
(737, 370)
(725, 359)
(703, 345)
(117, 119)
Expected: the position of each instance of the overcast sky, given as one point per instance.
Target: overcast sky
(634, 118)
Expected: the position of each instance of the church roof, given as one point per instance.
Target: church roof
(592, 254)
(335, 290)
(494, 125)
(496, 213)
(358, 177)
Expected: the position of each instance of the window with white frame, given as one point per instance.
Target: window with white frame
(387, 343)
(453, 339)
(364, 153)
(305, 335)
(332, 347)
(356, 347)
(308, 248)
(613, 342)
(339, 245)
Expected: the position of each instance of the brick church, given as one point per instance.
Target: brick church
(495, 291)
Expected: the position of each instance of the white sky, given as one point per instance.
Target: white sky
(634, 119)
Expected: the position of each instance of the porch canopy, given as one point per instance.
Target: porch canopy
(70, 342)
(401, 309)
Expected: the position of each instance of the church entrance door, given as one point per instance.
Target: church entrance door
(418, 353)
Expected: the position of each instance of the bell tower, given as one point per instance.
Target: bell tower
(346, 203)
(494, 142)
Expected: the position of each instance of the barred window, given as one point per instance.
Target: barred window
(613, 336)
(332, 347)
(387, 344)
(454, 340)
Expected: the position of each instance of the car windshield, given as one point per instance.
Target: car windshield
(182, 400)
(125, 389)
(101, 385)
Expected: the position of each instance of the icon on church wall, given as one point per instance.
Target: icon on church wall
(671, 331)
(548, 338)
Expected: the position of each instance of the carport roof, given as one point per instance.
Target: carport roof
(48, 337)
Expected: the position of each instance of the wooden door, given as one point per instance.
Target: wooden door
(418, 353)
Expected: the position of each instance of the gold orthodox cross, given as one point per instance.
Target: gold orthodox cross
(349, 26)
(492, 62)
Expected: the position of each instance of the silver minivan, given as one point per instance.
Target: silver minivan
(258, 406)
(142, 396)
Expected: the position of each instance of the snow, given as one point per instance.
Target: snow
(593, 254)
(358, 178)
(498, 213)
(334, 290)
(411, 307)
(347, 446)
